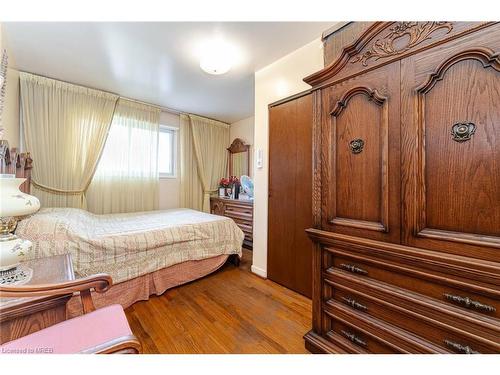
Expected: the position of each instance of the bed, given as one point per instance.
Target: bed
(144, 252)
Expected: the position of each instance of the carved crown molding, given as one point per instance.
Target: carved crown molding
(347, 53)
(417, 33)
(372, 95)
(387, 41)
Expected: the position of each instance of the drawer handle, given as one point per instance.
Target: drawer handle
(353, 338)
(469, 303)
(354, 304)
(354, 269)
(464, 349)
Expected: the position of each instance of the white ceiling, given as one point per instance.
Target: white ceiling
(157, 62)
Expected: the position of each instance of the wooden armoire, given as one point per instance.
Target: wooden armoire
(406, 191)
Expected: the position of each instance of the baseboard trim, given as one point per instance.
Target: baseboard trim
(259, 271)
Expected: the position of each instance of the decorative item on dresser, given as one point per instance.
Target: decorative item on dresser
(16, 202)
(240, 210)
(289, 251)
(406, 191)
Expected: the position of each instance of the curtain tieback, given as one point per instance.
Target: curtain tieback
(210, 191)
(56, 191)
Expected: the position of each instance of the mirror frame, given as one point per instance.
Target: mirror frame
(236, 147)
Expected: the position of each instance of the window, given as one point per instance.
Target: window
(167, 152)
(126, 139)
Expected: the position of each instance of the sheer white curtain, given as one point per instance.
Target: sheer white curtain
(191, 188)
(126, 179)
(65, 127)
(203, 159)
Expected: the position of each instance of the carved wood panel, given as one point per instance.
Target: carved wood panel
(359, 137)
(385, 42)
(400, 38)
(356, 164)
(456, 151)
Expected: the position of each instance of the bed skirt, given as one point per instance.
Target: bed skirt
(140, 288)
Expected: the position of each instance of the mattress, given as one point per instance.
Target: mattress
(130, 245)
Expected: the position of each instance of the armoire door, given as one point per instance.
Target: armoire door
(360, 155)
(451, 146)
(289, 259)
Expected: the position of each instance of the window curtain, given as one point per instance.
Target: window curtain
(65, 128)
(126, 179)
(204, 145)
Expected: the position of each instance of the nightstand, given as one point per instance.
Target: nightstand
(22, 316)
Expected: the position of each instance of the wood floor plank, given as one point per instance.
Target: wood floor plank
(229, 311)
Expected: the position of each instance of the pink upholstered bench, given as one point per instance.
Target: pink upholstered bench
(97, 331)
(89, 333)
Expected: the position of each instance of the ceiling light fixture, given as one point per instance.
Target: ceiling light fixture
(217, 57)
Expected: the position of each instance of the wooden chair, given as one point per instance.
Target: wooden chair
(105, 330)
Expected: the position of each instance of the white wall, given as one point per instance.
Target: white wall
(10, 115)
(274, 82)
(169, 194)
(244, 129)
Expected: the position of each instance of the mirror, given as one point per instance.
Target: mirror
(239, 158)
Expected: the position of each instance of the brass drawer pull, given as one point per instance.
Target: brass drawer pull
(469, 303)
(354, 269)
(353, 338)
(354, 304)
(464, 349)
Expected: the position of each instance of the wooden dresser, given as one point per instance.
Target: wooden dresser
(241, 211)
(406, 191)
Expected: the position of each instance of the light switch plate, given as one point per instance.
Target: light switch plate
(260, 157)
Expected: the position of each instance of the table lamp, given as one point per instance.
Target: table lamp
(13, 204)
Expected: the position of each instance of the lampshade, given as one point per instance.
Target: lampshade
(13, 202)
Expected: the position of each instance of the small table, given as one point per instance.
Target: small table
(22, 316)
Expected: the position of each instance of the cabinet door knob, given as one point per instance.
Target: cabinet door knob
(353, 338)
(354, 304)
(357, 145)
(354, 269)
(469, 303)
(463, 131)
(464, 349)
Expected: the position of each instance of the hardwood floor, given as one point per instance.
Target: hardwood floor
(230, 311)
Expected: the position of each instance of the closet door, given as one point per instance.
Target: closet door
(290, 189)
(360, 155)
(451, 154)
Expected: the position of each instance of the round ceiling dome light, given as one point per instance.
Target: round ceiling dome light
(217, 57)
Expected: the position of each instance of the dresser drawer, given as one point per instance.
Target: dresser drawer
(370, 333)
(239, 208)
(469, 296)
(239, 216)
(431, 320)
(245, 225)
(342, 333)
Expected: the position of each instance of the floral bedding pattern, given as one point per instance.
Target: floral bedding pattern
(129, 245)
